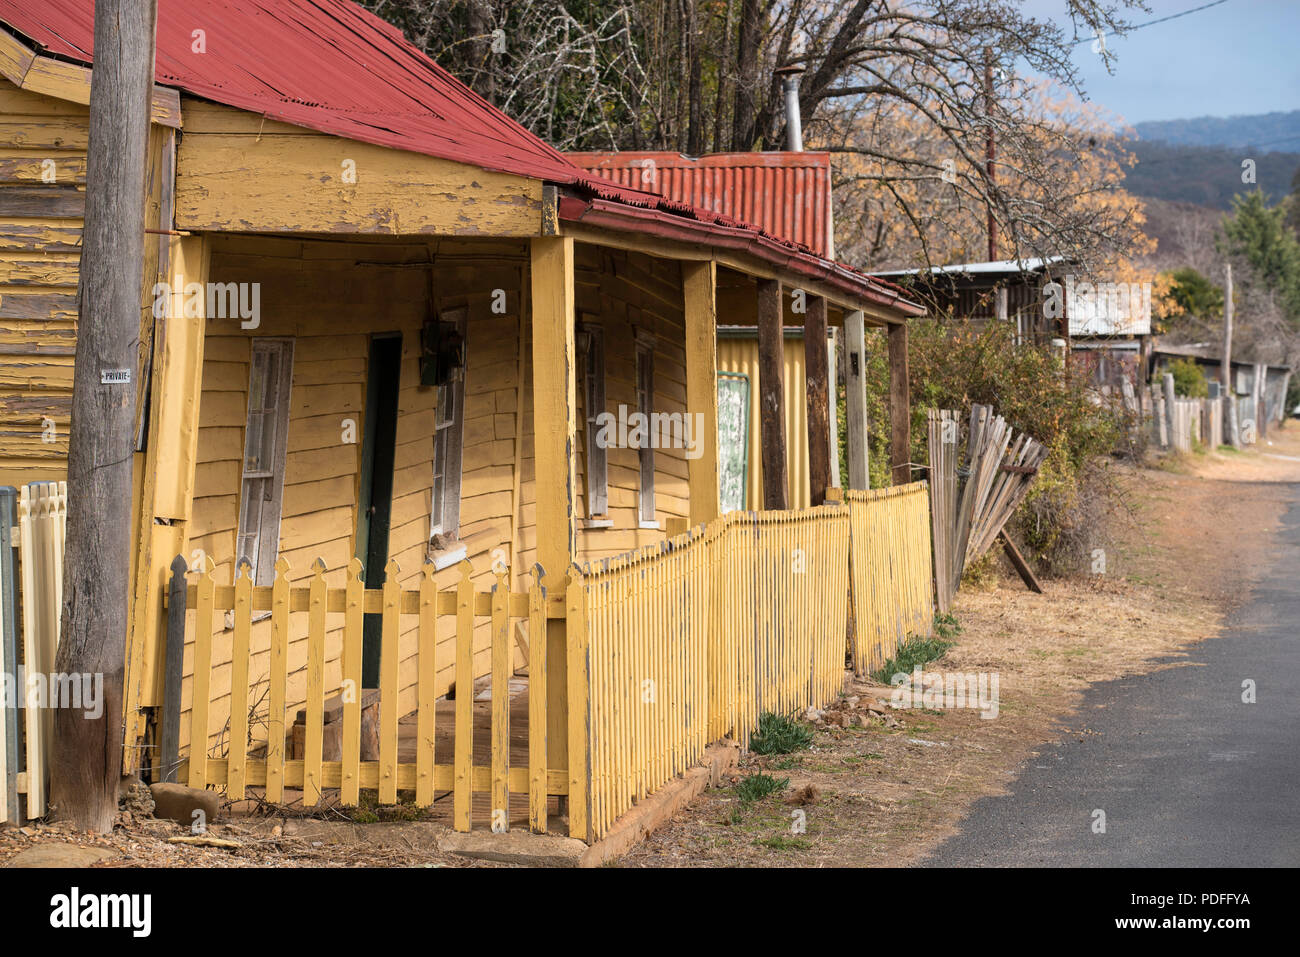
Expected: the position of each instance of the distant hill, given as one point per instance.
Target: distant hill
(1206, 175)
(1267, 131)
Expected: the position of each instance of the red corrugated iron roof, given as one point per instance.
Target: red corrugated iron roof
(785, 194)
(331, 66)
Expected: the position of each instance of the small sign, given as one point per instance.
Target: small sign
(115, 377)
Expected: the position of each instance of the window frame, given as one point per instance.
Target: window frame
(645, 395)
(594, 376)
(444, 521)
(270, 513)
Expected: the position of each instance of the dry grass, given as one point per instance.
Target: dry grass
(1187, 546)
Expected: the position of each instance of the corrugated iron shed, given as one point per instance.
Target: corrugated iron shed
(785, 194)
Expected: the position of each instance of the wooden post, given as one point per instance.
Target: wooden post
(771, 386)
(10, 809)
(554, 415)
(855, 388)
(1259, 405)
(833, 438)
(86, 754)
(170, 732)
(1171, 420)
(1226, 368)
(166, 488)
(699, 290)
(900, 411)
(817, 378)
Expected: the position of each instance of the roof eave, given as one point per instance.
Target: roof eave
(619, 217)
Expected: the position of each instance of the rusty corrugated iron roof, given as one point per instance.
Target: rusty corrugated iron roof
(787, 195)
(331, 66)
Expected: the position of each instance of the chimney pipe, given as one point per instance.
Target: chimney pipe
(793, 124)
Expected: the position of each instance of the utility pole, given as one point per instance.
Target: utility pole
(86, 756)
(1225, 372)
(990, 149)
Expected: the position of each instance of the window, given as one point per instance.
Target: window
(592, 339)
(265, 435)
(645, 392)
(448, 438)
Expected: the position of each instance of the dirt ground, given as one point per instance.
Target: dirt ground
(1194, 536)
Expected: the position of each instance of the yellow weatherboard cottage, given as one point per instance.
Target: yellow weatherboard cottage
(379, 325)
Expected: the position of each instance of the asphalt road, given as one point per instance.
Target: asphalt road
(1187, 774)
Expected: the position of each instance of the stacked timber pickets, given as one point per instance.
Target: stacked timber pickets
(970, 504)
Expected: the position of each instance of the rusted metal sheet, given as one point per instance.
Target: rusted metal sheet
(785, 194)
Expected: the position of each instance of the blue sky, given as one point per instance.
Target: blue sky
(1241, 57)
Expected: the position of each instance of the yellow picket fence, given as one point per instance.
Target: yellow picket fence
(667, 649)
(689, 641)
(893, 586)
(236, 770)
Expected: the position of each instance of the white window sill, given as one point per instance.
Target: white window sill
(648, 525)
(446, 557)
(597, 523)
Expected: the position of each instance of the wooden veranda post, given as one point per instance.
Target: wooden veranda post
(86, 755)
(166, 491)
(771, 384)
(699, 287)
(554, 416)
(855, 390)
(900, 411)
(817, 377)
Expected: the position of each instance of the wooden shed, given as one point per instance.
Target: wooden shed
(380, 321)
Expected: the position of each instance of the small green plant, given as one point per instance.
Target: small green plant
(778, 734)
(946, 627)
(755, 787)
(915, 651)
(783, 843)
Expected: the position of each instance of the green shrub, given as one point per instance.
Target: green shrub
(777, 734)
(1189, 380)
(755, 787)
(915, 651)
(953, 365)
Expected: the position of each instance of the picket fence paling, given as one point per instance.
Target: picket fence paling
(237, 771)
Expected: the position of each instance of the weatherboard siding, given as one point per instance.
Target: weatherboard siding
(40, 245)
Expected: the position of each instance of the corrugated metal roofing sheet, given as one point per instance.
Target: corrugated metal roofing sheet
(331, 66)
(786, 194)
(328, 65)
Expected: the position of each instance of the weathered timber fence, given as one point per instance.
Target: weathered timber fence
(891, 568)
(1185, 424)
(690, 640)
(230, 763)
(667, 649)
(34, 523)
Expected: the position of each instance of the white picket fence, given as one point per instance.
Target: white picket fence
(31, 598)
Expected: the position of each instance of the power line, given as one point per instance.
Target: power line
(1150, 23)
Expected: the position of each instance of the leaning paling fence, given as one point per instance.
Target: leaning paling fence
(891, 571)
(32, 528)
(972, 503)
